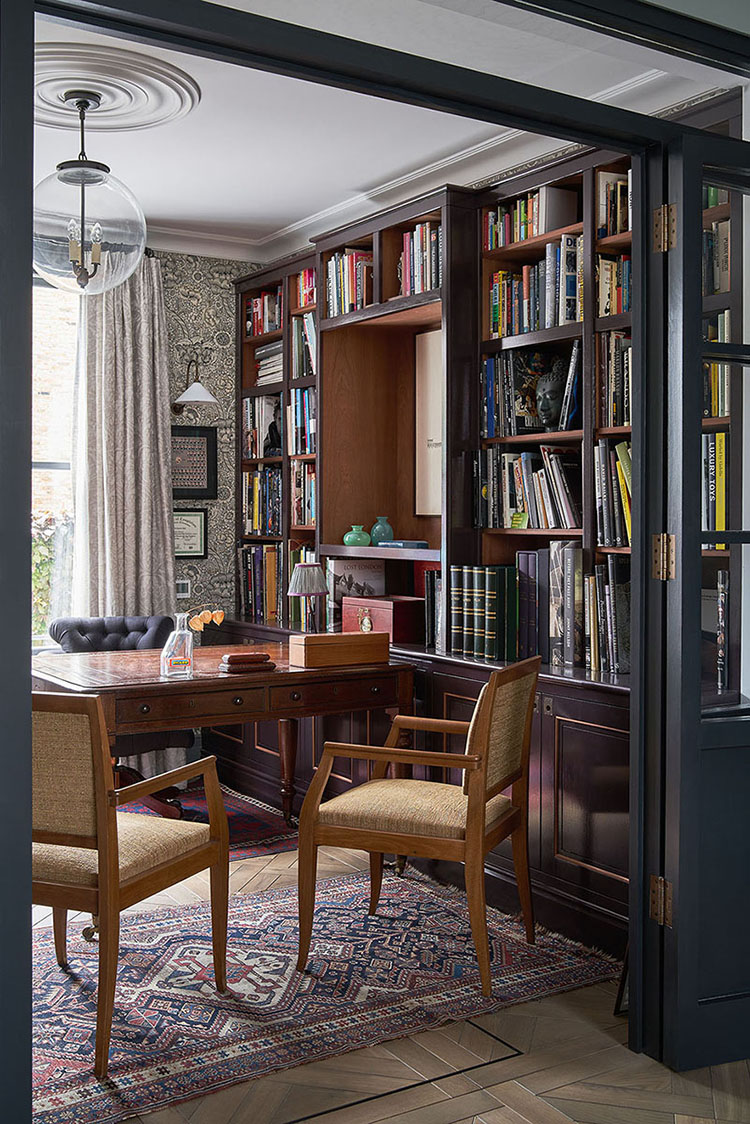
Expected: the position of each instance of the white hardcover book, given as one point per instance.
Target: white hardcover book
(550, 271)
(567, 311)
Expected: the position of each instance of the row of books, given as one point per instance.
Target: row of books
(303, 494)
(261, 583)
(613, 284)
(712, 196)
(606, 615)
(715, 390)
(511, 384)
(714, 450)
(420, 263)
(543, 295)
(263, 312)
(613, 489)
(615, 366)
(301, 427)
(260, 436)
(715, 258)
(540, 212)
(305, 282)
(614, 203)
(484, 612)
(539, 488)
(348, 281)
(299, 606)
(269, 363)
(261, 500)
(304, 344)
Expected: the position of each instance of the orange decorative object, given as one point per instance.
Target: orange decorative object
(218, 616)
(206, 616)
(196, 623)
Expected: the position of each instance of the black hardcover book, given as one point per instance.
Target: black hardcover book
(467, 611)
(429, 608)
(479, 580)
(522, 595)
(491, 644)
(557, 601)
(511, 614)
(619, 581)
(601, 614)
(533, 644)
(457, 618)
(606, 494)
(722, 616)
(542, 580)
(572, 606)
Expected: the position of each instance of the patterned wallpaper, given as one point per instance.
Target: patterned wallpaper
(200, 303)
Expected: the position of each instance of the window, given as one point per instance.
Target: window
(54, 354)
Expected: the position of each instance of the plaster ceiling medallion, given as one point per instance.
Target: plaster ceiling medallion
(137, 91)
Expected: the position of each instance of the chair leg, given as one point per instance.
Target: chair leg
(60, 929)
(376, 879)
(307, 865)
(219, 911)
(520, 842)
(474, 876)
(109, 947)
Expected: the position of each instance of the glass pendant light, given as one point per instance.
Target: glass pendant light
(89, 229)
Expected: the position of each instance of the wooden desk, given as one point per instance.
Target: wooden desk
(137, 700)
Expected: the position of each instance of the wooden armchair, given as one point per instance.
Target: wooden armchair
(414, 817)
(86, 857)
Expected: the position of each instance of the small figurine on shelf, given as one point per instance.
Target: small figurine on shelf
(177, 654)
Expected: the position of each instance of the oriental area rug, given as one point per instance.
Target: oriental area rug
(369, 979)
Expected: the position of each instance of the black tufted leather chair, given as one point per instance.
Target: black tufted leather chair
(114, 634)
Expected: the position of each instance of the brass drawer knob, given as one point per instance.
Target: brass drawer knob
(295, 696)
(145, 709)
(375, 690)
(238, 700)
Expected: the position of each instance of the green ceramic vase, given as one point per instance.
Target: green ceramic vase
(381, 531)
(357, 536)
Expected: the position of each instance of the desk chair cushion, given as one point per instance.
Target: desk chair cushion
(110, 634)
(407, 807)
(143, 842)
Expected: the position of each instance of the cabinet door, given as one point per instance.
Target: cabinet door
(584, 814)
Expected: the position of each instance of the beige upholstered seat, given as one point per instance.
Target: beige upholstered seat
(408, 808)
(143, 842)
(425, 817)
(87, 857)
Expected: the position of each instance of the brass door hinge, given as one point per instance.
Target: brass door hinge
(663, 561)
(664, 228)
(660, 900)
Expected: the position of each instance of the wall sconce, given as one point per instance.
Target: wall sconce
(195, 393)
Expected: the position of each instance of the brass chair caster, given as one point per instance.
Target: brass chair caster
(89, 932)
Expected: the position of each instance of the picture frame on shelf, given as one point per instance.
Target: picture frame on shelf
(194, 466)
(190, 532)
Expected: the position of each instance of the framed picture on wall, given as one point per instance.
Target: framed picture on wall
(190, 532)
(429, 398)
(194, 475)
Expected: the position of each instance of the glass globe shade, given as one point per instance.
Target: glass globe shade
(111, 213)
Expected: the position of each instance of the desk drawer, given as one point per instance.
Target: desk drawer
(181, 705)
(318, 697)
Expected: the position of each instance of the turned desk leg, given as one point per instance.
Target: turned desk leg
(288, 763)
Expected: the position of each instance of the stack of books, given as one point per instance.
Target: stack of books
(614, 203)
(615, 365)
(263, 313)
(301, 421)
(261, 501)
(543, 295)
(348, 281)
(269, 363)
(508, 385)
(539, 488)
(714, 455)
(613, 489)
(303, 346)
(614, 287)
(305, 287)
(261, 583)
(547, 209)
(420, 264)
(303, 499)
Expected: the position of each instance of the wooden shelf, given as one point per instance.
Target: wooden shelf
(302, 456)
(613, 323)
(537, 532)
(339, 550)
(534, 339)
(303, 308)
(612, 549)
(298, 528)
(266, 337)
(263, 538)
(262, 460)
(613, 431)
(716, 214)
(716, 302)
(421, 310)
(715, 553)
(572, 436)
(716, 423)
(614, 242)
(301, 383)
(266, 388)
(530, 248)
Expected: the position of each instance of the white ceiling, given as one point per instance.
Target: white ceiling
(263, 162)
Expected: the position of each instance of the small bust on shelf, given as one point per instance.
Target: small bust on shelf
(550, 388)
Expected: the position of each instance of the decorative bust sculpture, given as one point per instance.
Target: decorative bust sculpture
(550, 388)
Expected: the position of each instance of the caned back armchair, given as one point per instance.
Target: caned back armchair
(87, 857)
(430, 819)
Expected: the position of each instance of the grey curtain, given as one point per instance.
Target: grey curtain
(124, 536)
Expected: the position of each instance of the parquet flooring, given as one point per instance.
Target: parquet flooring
(552, 1061)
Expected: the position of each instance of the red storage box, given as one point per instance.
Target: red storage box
(401, 617)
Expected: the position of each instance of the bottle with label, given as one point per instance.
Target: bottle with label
(177, 653)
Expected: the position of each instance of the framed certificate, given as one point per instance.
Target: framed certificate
(190, 527)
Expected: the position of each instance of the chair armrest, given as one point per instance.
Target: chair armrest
(135, 791)
(404, 756)
(436, 725)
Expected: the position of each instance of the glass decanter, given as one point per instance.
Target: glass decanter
(177, 653)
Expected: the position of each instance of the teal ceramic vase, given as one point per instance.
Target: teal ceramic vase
(357, 536)
(381, 531)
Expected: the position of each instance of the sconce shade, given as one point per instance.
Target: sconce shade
(196, 392)
(308, 580)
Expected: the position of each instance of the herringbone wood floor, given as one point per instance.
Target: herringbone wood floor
(547, 1062)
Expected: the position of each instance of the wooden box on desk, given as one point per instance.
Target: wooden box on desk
(401, 617)
(338, 649)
